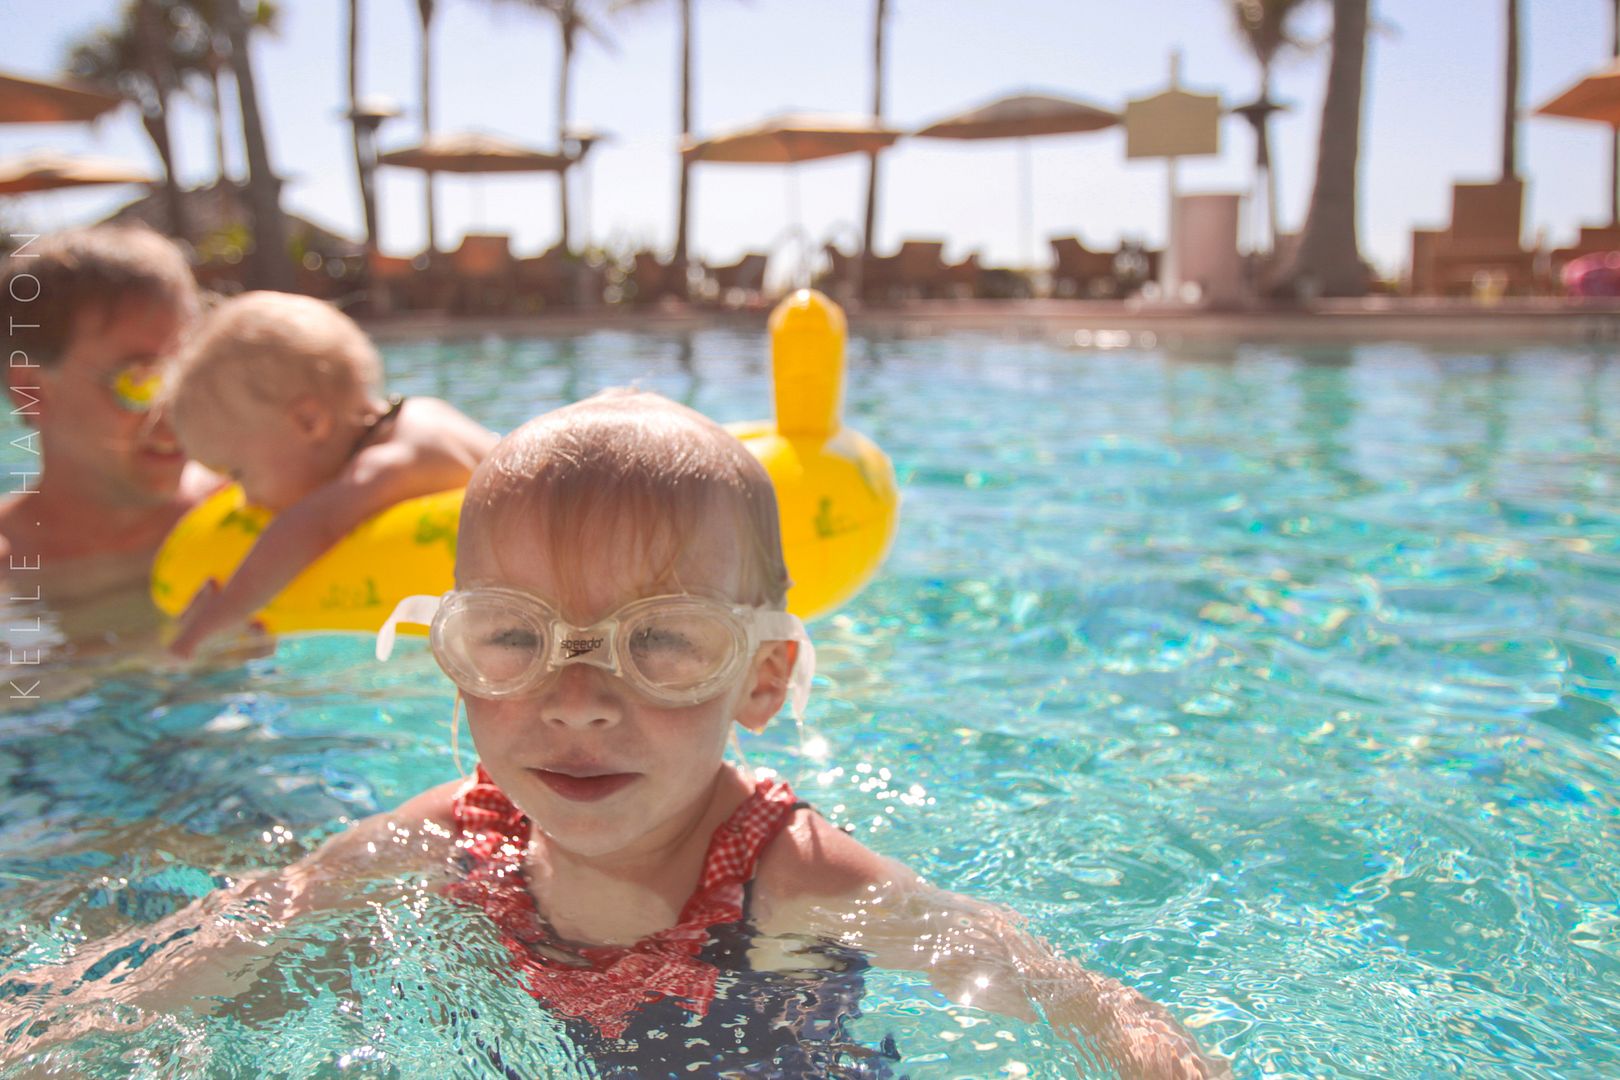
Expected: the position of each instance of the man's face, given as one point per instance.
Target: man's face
(89, 419)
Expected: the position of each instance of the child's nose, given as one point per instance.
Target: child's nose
(582, 695)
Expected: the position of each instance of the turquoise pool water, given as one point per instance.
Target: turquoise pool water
(1279, 682)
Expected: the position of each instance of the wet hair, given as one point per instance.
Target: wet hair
(53, 284)
(269, 349)
(631, 463)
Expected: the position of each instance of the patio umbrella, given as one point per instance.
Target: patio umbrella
(34, 101)
(1595, 98)
(474, 152)
(1023, 117)
(48, 170)
(788, 139)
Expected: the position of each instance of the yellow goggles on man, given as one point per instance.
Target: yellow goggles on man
(135, 388)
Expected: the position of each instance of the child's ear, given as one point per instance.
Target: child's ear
(313, 419)
(767, 684)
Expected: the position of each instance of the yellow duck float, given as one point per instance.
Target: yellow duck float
(835, 490)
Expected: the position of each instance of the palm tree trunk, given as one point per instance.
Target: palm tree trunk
(1510, 96)
(684, 193)
(217, 101)
(565, 69)
(1328, 259)
(272, 267)
(156, 120)
(426, 8)
(869, 223)
(362, 162)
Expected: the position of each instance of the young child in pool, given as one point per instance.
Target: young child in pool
(282, 394)
(618, 609)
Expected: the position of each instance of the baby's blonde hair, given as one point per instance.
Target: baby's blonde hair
(630, 463)
(269, 349)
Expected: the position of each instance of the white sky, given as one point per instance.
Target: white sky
(1432, 107)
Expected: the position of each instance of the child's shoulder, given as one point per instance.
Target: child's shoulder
(813, 863)
(420, 829)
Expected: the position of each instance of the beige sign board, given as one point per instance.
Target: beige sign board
(1173, 124)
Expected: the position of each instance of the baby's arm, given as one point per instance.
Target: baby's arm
(380, 477)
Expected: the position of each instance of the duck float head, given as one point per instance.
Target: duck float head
(835, 489)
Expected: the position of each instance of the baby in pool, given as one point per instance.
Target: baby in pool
(283, 394)
(618, 614)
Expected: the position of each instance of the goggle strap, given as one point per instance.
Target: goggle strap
(781, 626)
(418, 610)
(804, 670)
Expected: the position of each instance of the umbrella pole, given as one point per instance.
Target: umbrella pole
(1026, 212)
(801, 276)
(1169, 272)
(584, 204)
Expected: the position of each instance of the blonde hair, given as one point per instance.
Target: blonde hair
(269, 348)
(631, 463)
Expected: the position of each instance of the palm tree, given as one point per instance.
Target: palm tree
(202, 50)
(684, 191)
(1510, 96)
(573, 17)
(1327, 261)
(424, 9)
(272, 268)
(362, 160)
(869, 223)
(134, 56)
(1264, 27)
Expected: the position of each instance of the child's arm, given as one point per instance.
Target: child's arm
(978, 954)
(217, 946)
(818, 880)
(379, 478)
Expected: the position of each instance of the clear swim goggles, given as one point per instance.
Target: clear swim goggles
(673, 650)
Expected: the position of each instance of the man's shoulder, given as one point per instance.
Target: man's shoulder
(15, 528)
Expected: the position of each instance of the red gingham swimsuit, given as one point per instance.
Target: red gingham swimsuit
(614, 980)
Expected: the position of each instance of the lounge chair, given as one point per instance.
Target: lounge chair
(550, 279)
(483, 270)
(419, 284)
(741, 282)
(1079, 271)
(921, 269)
(1482, 240)
(650, 280)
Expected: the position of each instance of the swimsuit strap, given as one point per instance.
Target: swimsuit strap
(619, 979)
(395, 403)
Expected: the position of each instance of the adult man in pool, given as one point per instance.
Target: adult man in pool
(95, 479)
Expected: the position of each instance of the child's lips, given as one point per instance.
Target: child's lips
(584, 785)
